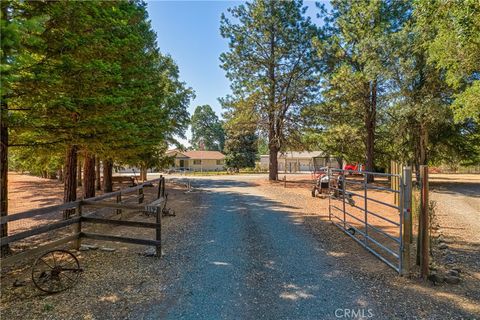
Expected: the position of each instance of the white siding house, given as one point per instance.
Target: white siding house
(198, 160)
(293, 161)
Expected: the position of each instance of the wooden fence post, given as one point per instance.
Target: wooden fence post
(119, 200)
(158, 232)
(78, 228)
(159, 187)
(395, 168)
(424, 223)
(163, 188)
(285, 181)
(407, 219)
(140, 195)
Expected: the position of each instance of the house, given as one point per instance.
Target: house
(293, 161)
(198, 160)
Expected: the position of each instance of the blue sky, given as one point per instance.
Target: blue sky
(189, 32)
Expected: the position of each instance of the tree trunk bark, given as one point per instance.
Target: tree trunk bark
(60, 174)
(79, 172)
(273, 165)
(88, 176)
(5, 249)
(272, 137)
(107, 175)
(370, 121)
(143, 174)
(340, 162)
(98, 181)
(421, 151)
(70, 184)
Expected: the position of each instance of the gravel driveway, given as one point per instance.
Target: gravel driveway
(457, 198)
(248, 259)
(242, 248)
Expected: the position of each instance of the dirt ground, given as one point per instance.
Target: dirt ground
(458, 216)
(456, 223)
(110, 279)
(26, 192)
(380, 229)
(119, 284)
(457, 226)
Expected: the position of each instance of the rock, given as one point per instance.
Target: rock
(83, 248)
(452, 280)
(442, 246)
(90, 246)
(435, 278)
(453, 273)
(449, 259)
(106, 249)
(19, 283)
(457, 269)
(149, 252)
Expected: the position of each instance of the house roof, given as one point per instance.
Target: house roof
(194, 154)
(298, 155)
(301, 155)
(215, 155)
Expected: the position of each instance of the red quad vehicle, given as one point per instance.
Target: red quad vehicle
(354, 168)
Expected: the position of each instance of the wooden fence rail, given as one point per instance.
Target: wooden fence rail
(79, 218)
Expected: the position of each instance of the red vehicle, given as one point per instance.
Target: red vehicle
(354, 167)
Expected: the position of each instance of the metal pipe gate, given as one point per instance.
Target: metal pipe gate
(369, 213)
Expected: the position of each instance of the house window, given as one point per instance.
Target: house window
(219, 162)
(198, 162)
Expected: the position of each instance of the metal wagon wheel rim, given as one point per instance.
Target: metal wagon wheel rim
(55, 271)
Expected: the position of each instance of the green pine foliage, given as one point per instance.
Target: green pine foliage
(272, 65)
(455, 49)
(207, 130)
(90, 74)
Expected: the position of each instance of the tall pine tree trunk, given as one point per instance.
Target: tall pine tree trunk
(60, 174)
(88, 175)
(107, 175)
(5, 249)
(370, 122)
(421, 151)
(98, 181)
(70, 183)
(273, 165)
(143, 174)
(340, 162)
(272, 137)
(79, 171)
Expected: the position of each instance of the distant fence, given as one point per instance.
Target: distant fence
(49, 223)
(461, 169)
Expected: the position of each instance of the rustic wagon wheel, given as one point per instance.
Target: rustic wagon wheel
(55, 271)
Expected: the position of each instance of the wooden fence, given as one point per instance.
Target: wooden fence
(79, 218)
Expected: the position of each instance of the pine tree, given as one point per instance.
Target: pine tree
(18, 32)
(89, 95)
(206, 126)
(356, 78)
(272, 62)
(421, 121)
(455, 49)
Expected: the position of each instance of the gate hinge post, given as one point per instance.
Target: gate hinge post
(406, 198)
